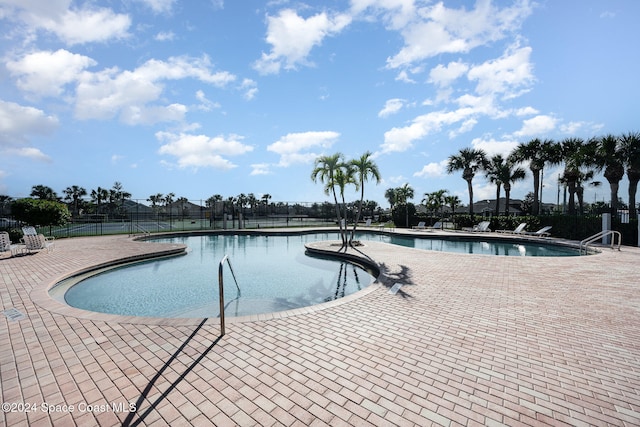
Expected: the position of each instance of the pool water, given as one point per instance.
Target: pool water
(273, 274)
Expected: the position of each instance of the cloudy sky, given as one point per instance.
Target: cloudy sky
(227, 97)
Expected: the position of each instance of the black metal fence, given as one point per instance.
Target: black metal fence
(139, 217)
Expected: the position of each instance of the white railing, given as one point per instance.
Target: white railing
(585, 243)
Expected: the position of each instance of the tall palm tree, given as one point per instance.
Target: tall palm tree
(99, 196)
(391, 196)
(503, 173)
(403, 194)
(364, 169)
(574, 156)
(73, 195)
(538, 153)
(630, 147)
(469, 161)
(325, 169)
(608, 156)
(43, 192)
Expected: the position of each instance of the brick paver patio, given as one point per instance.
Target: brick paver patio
(468, 340)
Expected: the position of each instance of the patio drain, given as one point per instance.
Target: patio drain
(14, 314)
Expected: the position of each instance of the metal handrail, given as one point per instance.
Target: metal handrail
(221, 288)
(599, 235)
(142, 229)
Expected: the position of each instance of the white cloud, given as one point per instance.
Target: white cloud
(537, 125)
(28, 152)
(444, 76)
(112, 92)
(195, 151)
(250, 88)
(45, 73)
(507, 75)
(436, 29)
(165, 36)
(260, 169)
(392, 106)
(293, 147)
(493, 147)
(401, 139)
(18, 122)
(292, 37)
(159, 6)
(433, 169)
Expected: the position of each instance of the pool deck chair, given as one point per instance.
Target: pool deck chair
(518, 230)
(421, 226)
(481, 227)
(5, 242)
(38, 242)
(436, 226)
(29, 230)
(543, 232)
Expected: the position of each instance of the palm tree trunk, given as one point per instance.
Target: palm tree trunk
(470, 187)
(614, 197)
(507, 194)
(355, 224)
(633, 187)
(339, 215)
(536, 191)
(497, 212)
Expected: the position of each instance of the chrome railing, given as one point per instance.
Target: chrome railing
(585, 243)
(221, 288)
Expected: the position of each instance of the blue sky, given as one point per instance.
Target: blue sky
(227, 97)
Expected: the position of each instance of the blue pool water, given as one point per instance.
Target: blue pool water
(273, 273)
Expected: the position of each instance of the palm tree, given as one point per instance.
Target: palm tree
(435, 201)
(608, 155)
(469, 161)
(98, 196)
(4, 201)
(43, 192)
(325, 169)
(364, 168)
(503, 173)
(453, 202)
(343, 177)
(538, 153)
(391, 196)
(73, 195)
(573, 153)
(403, 194)
(630, 147)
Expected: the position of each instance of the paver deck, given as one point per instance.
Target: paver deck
(468, 340)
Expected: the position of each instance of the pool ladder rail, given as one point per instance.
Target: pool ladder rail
(221, 288)
(584, 244)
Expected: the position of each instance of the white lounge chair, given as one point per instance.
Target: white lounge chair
(518, 230)
(38, 242)
(481, 227)
(421, 226)
(543, 232)
(29, 230)
(5, 242)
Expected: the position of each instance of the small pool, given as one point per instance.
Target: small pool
(273, 272)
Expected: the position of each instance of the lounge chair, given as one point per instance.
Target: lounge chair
(29, 230)
(421, 226)
(543, 232)
(38, 242)
(481, 227)
(518, 230)
(436, 226)
(368, 223)
(5, 242)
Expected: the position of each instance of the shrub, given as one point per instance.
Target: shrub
(40, 212)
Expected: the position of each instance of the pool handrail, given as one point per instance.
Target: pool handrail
(221, 288)
(585, 243)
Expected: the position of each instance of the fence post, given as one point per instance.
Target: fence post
(606, 226)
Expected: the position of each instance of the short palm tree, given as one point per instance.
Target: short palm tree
(74, 194)
(364, 168)
(574, 155)
(325, 169)
(469, 161)
(630, 148)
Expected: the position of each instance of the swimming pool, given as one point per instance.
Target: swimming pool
(273, 273)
